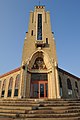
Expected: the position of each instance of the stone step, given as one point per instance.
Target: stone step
(13, 117)
(58, 108)
(9, 115)
(62, 115)
(40, 109)
(55, 109)
(38, 104)
(12, 111)
(39, 100)
(15, 108)
(39, 114)
(52, 111)
(59, 104)
(71, 118)
(5, 118)
(18, 104)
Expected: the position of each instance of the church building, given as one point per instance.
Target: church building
(39, 76)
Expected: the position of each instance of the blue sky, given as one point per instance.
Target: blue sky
(65, 21)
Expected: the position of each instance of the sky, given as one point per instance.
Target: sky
(65, 23)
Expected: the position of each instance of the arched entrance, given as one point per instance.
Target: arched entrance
(39, 79)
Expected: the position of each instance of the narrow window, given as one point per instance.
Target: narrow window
(3, 88)
(69, 87)
(47, 41)
(60, 85)
(32, 17)
(39, 28)
(60, 82)
(17, 83)
(10, 87)
(32, 33)
(76, 86)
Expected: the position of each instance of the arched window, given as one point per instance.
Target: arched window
(17, 83)
(76, 86)
(60, 85)
(69, 86)
(3, 88)
(10, 87)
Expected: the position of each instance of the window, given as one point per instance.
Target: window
(32, 33)
(10, 87)
(17, 83)
(76, 86)
(60, 84)
(47, 41)
(39, 76)
(32, 17)
(3, 92)
(69, 87)
(3, 88)
(39, 29)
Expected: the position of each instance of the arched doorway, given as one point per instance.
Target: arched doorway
(39, 79)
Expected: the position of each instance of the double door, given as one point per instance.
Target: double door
(39, 89)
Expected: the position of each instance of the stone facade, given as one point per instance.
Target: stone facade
(39, 75)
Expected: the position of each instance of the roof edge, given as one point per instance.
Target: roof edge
(67, 73)
(8, 73)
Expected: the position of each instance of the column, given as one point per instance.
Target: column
(57, 81)
(6, 88)
(13, 87)
(20, 94)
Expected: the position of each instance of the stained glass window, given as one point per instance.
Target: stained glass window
(39, 29)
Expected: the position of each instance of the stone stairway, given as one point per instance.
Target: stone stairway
(31, 109)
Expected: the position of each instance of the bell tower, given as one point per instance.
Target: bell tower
(39, 74)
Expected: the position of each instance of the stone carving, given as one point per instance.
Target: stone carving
(39, 63)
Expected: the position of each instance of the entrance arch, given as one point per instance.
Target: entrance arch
(38, 68)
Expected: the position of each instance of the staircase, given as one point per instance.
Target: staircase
(31, 109)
